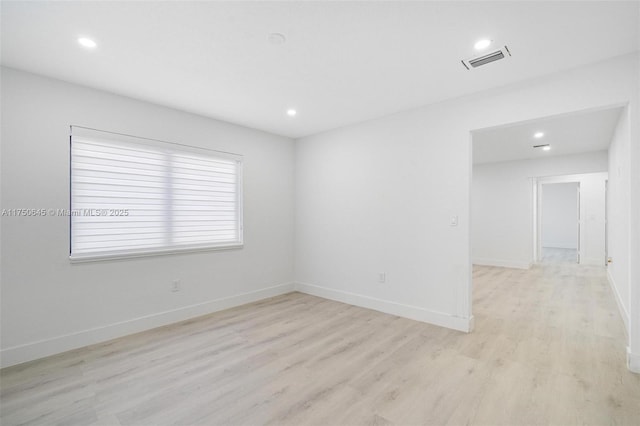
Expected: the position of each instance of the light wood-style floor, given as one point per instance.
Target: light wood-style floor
(548, 349)
(559, 255)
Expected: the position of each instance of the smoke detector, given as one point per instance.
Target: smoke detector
(487, 58)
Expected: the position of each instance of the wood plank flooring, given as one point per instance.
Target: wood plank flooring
(548, 348)
(559, 255)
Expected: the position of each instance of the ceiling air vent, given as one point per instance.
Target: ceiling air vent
(486, 59)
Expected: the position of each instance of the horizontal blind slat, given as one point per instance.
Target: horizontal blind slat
(171, 198)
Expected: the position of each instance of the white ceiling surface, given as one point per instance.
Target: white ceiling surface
(342, 63)
(567, 134)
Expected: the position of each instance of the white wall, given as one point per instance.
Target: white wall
(379, 196)
(560, 215)
(633, 350)
(623, 214)
(593, 218)
(50, 305)
(502, 206)
(618, 214)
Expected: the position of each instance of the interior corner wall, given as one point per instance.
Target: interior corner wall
(502, 206)
(50, 305)
(380, 196)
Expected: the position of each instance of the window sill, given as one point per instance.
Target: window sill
(136, 255)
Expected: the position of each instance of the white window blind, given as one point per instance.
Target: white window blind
(130, 196)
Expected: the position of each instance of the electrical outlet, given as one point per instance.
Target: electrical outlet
(175, 285)
(382, 277)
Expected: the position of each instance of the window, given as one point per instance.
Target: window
(132, 196)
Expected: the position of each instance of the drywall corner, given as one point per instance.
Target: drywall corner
(399, 309)
(633, 361)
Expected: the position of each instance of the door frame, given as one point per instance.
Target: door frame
(537, 213)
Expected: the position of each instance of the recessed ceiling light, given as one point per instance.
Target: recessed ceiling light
(538, 135)
(277, 38)
(482, 44)
(291, 112)
(87, 42)
(546, 148)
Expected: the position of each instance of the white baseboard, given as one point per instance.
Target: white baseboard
(502, 263)
(623, 312)
(633, 361)
(398, 309)
(40, 349)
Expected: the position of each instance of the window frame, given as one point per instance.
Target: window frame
(107, 136)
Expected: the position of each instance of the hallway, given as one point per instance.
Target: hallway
(557, 330)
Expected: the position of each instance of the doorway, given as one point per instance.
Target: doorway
(559, 215)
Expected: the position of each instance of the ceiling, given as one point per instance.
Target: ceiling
(342, 62)
(566, 134)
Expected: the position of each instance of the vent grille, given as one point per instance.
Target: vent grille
(482, 60)
(486, 59)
